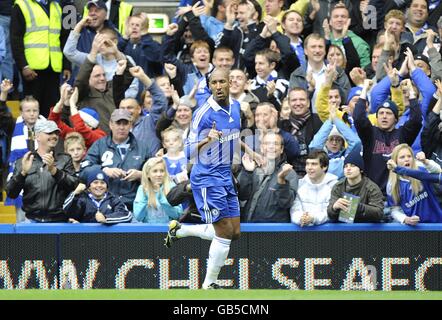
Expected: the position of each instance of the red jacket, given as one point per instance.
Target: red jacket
(89, 135)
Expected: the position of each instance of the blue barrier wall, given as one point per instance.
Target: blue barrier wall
(61, 228)
(277, 256)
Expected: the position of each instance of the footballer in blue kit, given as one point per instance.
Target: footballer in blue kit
(214, 138)
(211, 176)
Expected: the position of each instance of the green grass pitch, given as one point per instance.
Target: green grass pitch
(228, 294)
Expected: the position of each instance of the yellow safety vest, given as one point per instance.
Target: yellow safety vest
(42, 35)
(123, 13)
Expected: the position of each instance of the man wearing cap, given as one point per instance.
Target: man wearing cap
(96, 204)
(45, 177)
(37, 40)
(370, 199)
(379, 141)
(116, 12)
(120, 156)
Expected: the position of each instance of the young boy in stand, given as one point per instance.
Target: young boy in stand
(96, 204)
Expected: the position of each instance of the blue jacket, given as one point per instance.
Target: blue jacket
(146, 53)
(381, 91)
(162, 214)
(144, 128)
(81, 208)
(104, 154)
(336, 163)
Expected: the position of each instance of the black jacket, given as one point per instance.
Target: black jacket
(266, 199)
(238, 41)
(5, 7)
(304, 136)
(44, 194)
(378, 144)
(179, 195)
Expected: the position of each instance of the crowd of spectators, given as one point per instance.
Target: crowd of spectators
(340, 105)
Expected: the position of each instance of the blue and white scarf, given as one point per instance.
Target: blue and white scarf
(19, 147)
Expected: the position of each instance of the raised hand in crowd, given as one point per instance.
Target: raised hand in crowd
(5, 86)
(421, 157)
(330, 73)
(82, 23)
(431, 35)
(121, 66)
(73, 102)
(391, 164)
(182, 11)
(248, 113)
(175, 98)
(66, 75)
(392, 73)
(65, 91)
(411, 64)
(358, 75)
(96, 45)
(332, 108)
(139, 73)
(316, 6)
(272, 24)
(198, 9)
(282, 174)
(230, 15)
(389, 39)
(438, 84)
(405, 87)
(265, 33)
(368, 84)
(49, 160)
(271, 87)
(310, 81)
(403, 71)
(171, 29)
(26, 163)
(171, 70)
(363, 4)
(248, 163)
(345, 28)
(326, 27)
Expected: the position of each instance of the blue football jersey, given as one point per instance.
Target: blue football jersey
(212, 164)
(424, 205)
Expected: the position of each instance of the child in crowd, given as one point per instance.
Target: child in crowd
(22, 141)
(151, 205)
(75, 146)
(96, 204)
(412, 201)
(176, 161)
